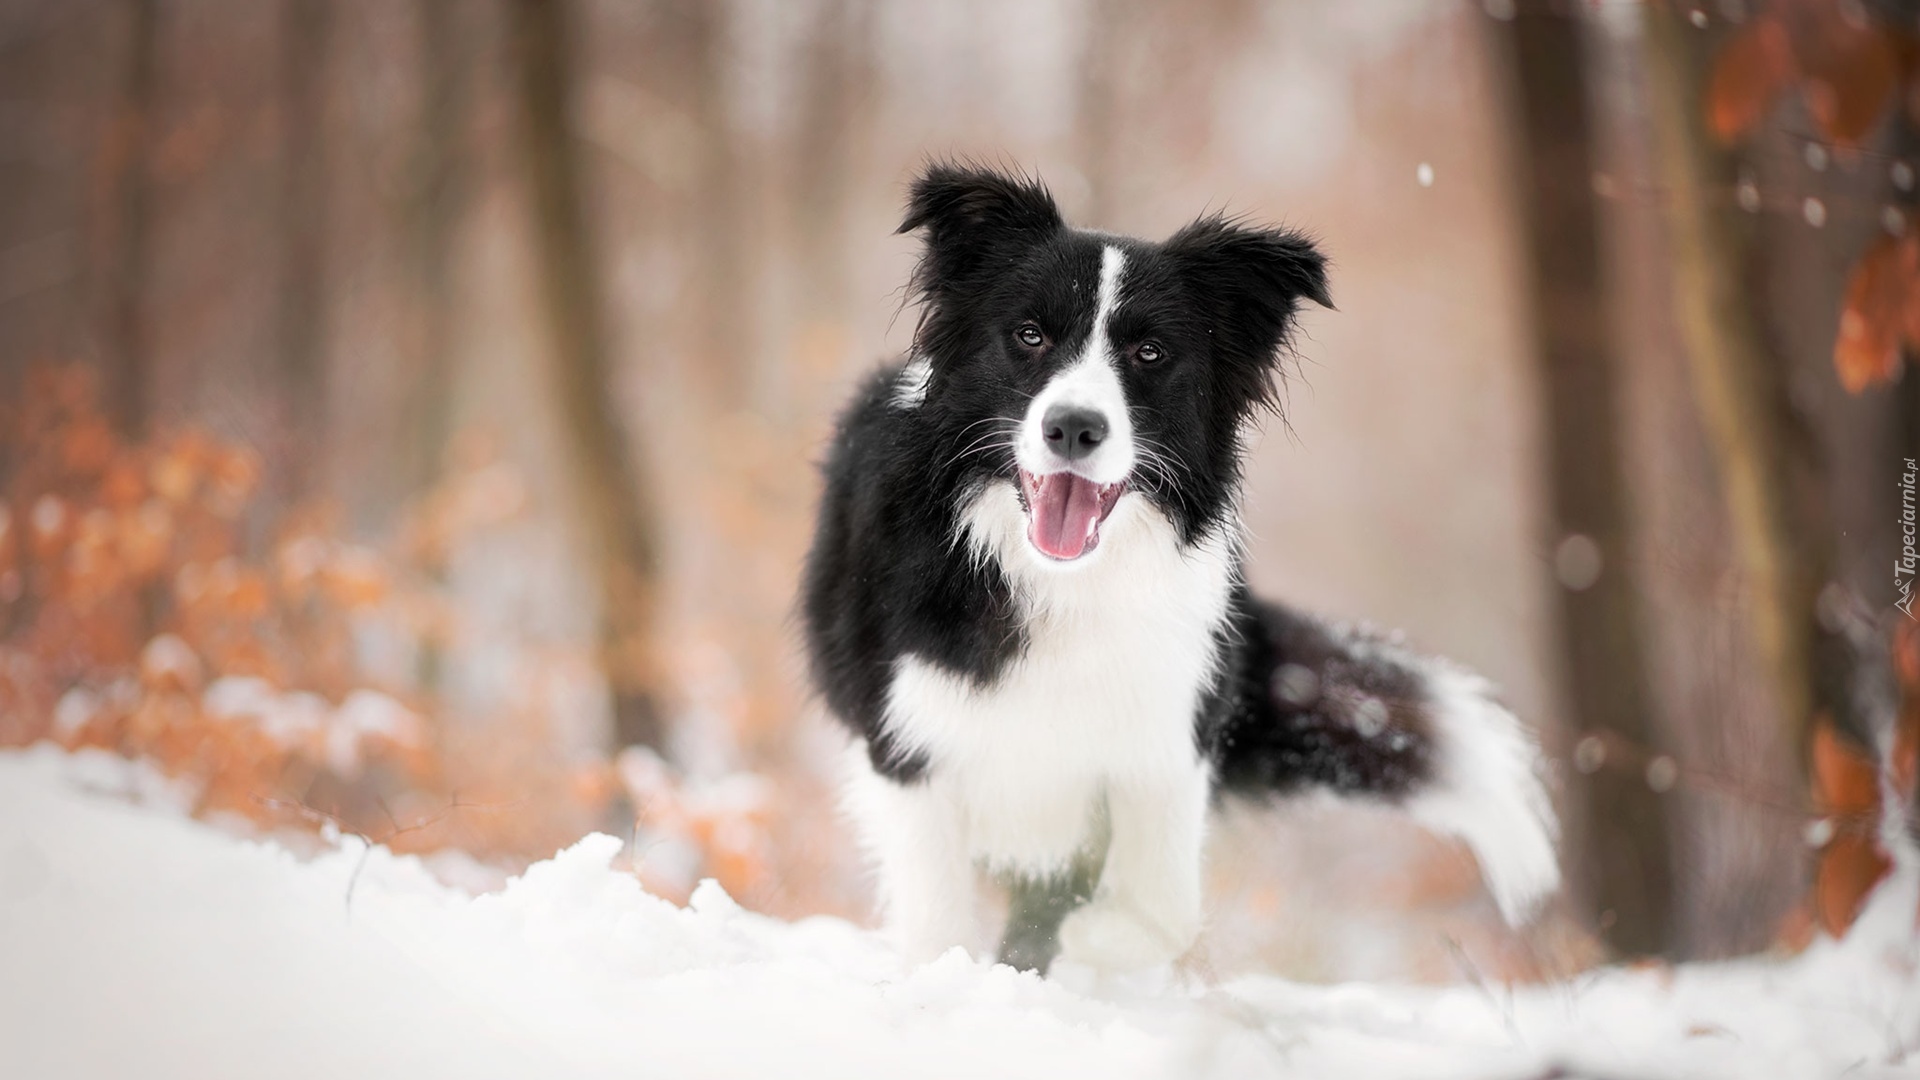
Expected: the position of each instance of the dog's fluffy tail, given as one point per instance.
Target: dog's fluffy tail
(1316, 705)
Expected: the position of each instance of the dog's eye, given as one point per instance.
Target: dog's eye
(1030, 336)
(1149, 353)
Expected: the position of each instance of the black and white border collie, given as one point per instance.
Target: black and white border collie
(1025, 593)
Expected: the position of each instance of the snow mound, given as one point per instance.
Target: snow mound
(134, 941)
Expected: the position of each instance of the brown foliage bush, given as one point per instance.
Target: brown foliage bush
(151, 606)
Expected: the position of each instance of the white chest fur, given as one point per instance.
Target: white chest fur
(1120, 647)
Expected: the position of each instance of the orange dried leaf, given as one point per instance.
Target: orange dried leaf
(172, 476)
(122, 484)
(593, 785)
(1747, 76)
(1906, 657)
(1849, 72)
(146, 538)
(1866, 350)
(1850, 866)
(87, 446)
(248, 597)
(355, 579)
(1845, 777)
(248, 656)
(1904, 763)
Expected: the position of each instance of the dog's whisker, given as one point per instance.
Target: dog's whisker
(1160, 453)
(983, 444)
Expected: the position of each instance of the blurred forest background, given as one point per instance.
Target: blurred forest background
(408, 411)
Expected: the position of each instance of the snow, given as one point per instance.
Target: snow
(136, 941)
(292, 717)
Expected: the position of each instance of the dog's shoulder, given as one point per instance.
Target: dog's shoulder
(879, 412)
(886, 575)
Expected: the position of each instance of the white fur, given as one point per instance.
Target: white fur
(917, 839)
(1487, 790)
(910, 387)
(1091, 382)
(1100, 706)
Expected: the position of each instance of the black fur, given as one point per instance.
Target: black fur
(886, 577)
(1307, 704)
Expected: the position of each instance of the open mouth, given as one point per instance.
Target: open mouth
(1064, 512)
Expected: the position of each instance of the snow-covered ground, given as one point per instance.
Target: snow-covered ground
(135, 942)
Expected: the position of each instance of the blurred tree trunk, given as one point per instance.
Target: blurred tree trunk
(621, 528)
(722, 212)
(1621, 856)
(835, 92)
(1770, 476)
(439, 202)
(128, 179)
(305, 30)
(1111, 24)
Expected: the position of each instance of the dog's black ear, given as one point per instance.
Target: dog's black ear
(974, 217)
(1254, 278)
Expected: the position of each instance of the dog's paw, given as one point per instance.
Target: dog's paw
(1112, 937)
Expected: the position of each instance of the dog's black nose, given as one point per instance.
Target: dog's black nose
(1073, 432)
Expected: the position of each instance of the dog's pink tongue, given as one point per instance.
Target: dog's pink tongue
(1065, 514)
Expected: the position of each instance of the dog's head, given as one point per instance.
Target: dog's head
(1089, 368)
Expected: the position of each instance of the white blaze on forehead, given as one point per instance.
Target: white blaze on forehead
(1112, 262)
(1090, 382)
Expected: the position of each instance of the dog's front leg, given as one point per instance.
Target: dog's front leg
(1147, 909)
(916, 833)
